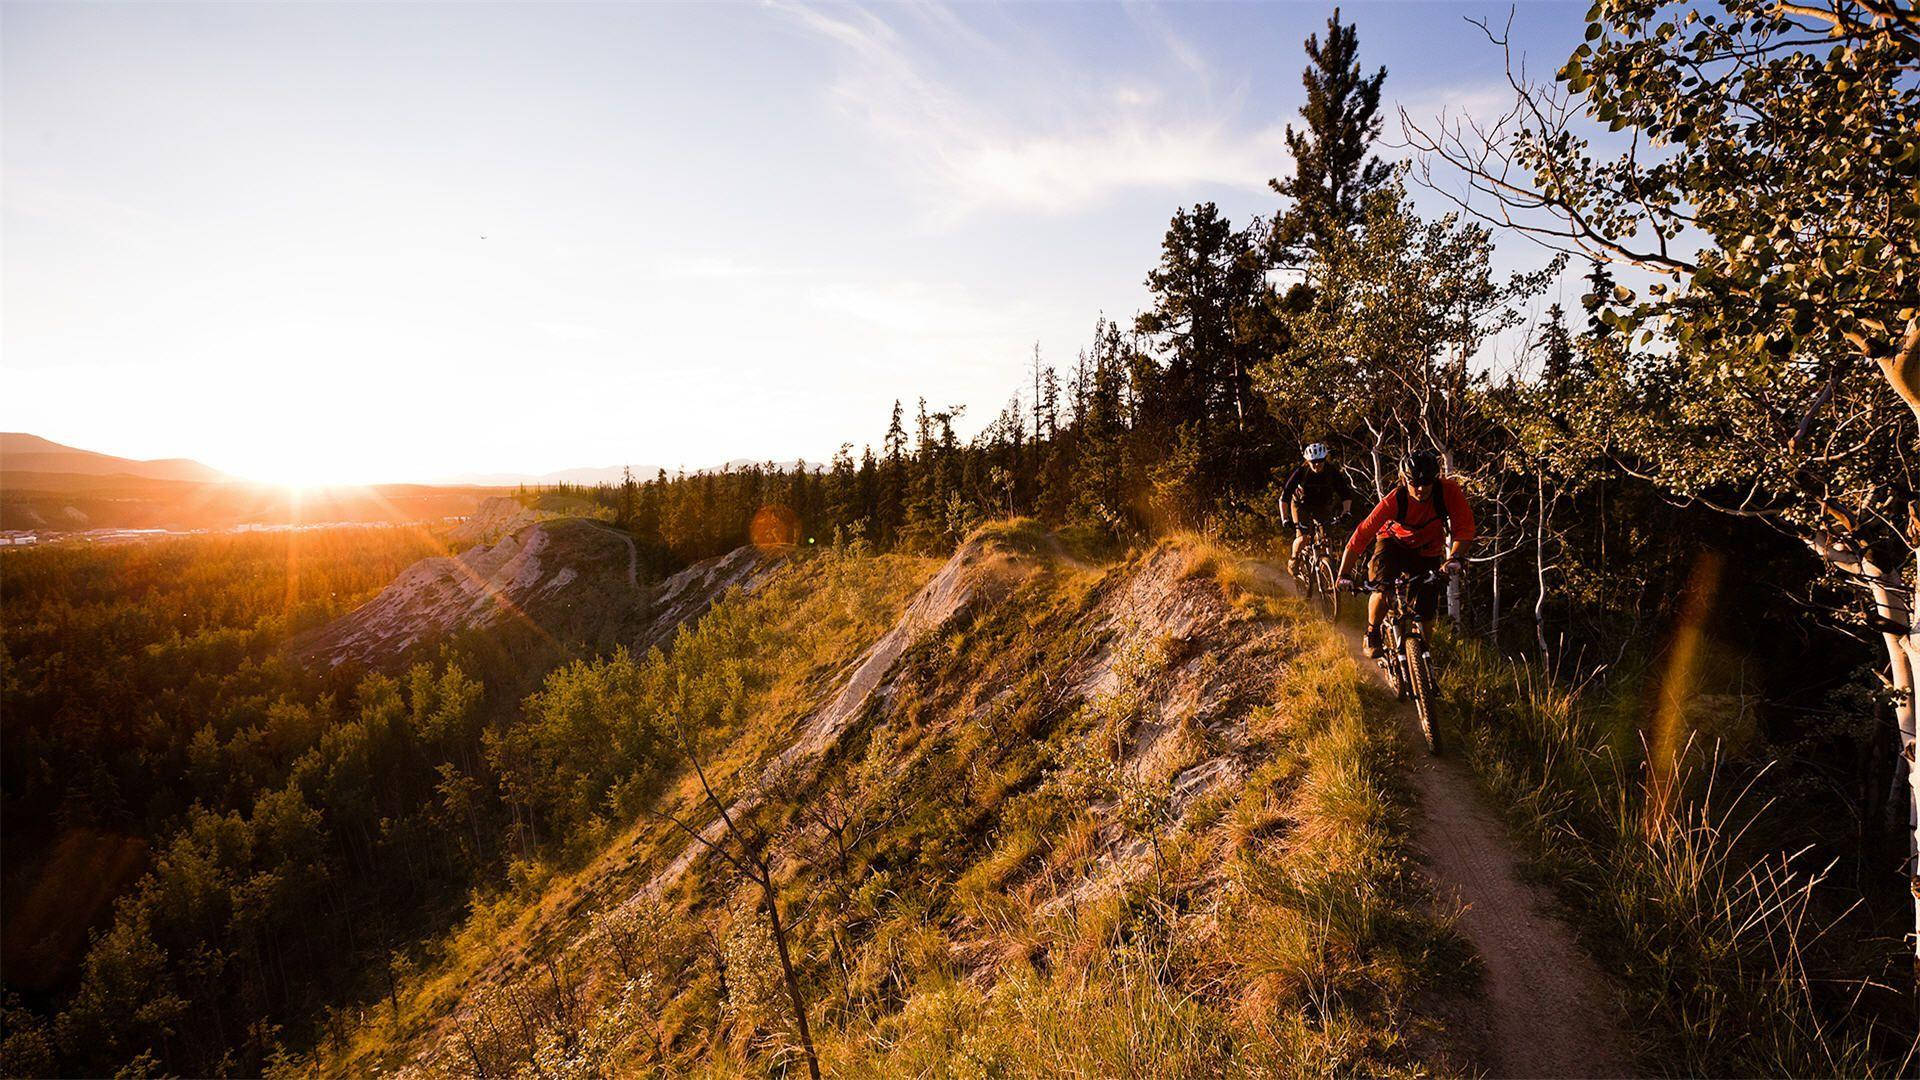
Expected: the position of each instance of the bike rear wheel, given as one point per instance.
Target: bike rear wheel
(1426, 701)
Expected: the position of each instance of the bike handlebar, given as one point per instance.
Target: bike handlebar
(1427, 578)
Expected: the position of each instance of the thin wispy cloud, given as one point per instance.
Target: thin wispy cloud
(921, 309)
(1148, 18)
(967, 154)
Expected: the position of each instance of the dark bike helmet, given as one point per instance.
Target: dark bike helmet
(1420, 468)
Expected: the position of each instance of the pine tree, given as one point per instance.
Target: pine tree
(1099, 474)
(628, 509)
(1036, 390)
(1207, 276)
(1331, 166)
(1556, 344)
(925, 516)
(893, 480)
(867, 493)
(1598, 300)
(841, 499)
(1049, 407)
(1210, 282)
(646, 523)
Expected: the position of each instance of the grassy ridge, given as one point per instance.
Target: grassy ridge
(1131, 819)
(1281, 931)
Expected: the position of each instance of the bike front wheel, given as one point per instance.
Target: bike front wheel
(1327, 586)
(1426, 698)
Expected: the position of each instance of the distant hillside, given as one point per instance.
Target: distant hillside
(47, 486)
(69, 501)
(23, 453)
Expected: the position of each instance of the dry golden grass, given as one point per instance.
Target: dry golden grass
(1712, 942)
(1032, 899)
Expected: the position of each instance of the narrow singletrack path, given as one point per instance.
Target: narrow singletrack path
(1549, 1013)
(633, 554)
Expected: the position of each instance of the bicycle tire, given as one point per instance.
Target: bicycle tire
(1391, 663)
(1426, 704)
(1319, 588)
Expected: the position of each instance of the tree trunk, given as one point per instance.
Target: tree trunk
(1373, 454)
(1493, 617)
(1893, 610)
(1540, 569)
(787, 973)
(1902, 651)
(1456, 589)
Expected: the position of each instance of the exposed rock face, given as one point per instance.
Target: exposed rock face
(688, 594)
(977, 572)
(566, 582)
(554, 576)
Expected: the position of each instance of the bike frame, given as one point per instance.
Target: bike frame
(1317, 558)
(1403, 639)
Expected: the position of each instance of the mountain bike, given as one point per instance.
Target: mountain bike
(1317, 567)
(1404, 654)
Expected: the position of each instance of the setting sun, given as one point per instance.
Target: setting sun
(297, 473)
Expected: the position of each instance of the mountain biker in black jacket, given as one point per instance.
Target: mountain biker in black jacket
(1315, 496)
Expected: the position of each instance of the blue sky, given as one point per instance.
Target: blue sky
(335, 241)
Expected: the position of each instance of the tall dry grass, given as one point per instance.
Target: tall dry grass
(1708, 931)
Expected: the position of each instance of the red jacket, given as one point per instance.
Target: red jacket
(1421, 528)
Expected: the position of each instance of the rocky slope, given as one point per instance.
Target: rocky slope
(566, 582)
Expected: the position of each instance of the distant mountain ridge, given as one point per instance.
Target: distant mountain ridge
(24, 453)
(59, 466)
(45, 485)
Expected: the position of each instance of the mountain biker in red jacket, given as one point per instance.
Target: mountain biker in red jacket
(1422, 525)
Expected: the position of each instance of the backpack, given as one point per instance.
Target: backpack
(1439, 507)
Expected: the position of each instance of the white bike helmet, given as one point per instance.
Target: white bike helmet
(1316, 451)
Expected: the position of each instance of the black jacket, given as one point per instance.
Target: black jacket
(1320, 494)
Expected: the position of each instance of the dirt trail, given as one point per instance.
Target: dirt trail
(633, 554)
(1549, 1013)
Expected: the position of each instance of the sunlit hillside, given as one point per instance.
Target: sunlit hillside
(1249, 540)
(1103, 814)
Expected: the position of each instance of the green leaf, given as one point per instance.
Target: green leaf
(1803, 319)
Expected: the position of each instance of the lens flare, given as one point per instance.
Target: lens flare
(774, 525)
(1668, 738)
